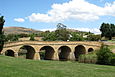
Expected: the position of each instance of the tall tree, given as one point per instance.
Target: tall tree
(61, 32)
(1, 32)
(1, 23)
(108, 30)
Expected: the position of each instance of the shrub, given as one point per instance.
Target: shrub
(93, 58)
(88, 58)
(113, 60)
(104, 56)
(81, 58)
(92, 37)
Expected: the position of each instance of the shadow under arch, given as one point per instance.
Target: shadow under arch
(80, 49)
(46, 53)
(90, 50)
(64, 52)
(27, 52)
(9, 53)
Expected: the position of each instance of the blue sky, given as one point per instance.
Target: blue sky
(84, 15)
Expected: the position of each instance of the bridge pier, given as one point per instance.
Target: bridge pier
(56, 57)
(71, 56)
(15, 54)
(36, 56)
(1, 53)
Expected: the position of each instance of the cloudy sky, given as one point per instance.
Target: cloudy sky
(84, 15)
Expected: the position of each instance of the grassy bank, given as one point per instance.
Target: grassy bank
(14, 67)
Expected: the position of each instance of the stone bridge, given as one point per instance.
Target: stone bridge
(53, 50)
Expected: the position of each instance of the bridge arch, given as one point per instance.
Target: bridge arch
(80, 49)
(26, 51)
(9, 52)
(46, 53)
(90, 50)
(64, 53)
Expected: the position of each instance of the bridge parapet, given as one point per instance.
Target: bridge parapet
(90, 43)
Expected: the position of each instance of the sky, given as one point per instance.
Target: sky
(83, 15)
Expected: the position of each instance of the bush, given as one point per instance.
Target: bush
(104, 56)
(92, 37)
(88, 58)
(113, 60)
(81, 58)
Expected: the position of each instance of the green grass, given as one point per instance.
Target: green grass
(16, 67)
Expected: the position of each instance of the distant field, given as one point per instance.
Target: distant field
(15, 67)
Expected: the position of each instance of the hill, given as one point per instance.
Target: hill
(22, 30)
(17, 67)
(19, 30)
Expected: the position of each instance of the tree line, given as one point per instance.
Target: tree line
(63, 34)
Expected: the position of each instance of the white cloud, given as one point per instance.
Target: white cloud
(74, 9)
(93, 30)
(19, 19)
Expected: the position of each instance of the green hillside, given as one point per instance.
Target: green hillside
(16, 67)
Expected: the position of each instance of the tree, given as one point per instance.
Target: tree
(104, 55)
(49, 36)
(113, 30)
(76, 37)
(1, 32)
(11, 37)
(23, 35)
(1, 24)
(61, 32)
(108, 30)
(92, 37)
(32, 37)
